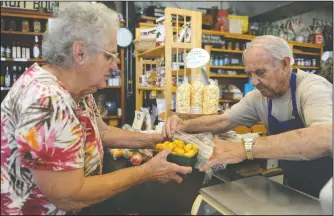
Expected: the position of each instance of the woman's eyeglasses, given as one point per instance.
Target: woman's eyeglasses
(109, 56)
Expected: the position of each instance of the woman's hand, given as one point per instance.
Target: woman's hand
(163, 171)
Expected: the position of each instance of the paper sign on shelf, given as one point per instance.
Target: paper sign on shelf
(3, 59)
(197, 58)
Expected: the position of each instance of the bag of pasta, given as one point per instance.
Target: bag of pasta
(183, 97)
(196, 100)
(211, 98)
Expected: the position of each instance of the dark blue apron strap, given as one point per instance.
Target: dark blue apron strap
(270, 106)
(293, 93)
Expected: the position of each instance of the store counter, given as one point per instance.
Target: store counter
(255, 195)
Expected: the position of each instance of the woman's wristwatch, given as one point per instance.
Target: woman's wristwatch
(248, 143)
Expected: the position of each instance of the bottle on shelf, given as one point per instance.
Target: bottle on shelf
(3, 51)
(15, 76)
(25, 26)
(27, 52)
(37, 26)
(8, 52)
(18, 50)
(36, 49)
(7, 78)
(2, 79)
(13, 50)
(23, 51)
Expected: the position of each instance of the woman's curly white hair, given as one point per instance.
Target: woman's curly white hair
(79, 21)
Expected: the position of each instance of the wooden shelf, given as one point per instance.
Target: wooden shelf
(306, 53)
(149, 62)
(228, 101)
(5, 88)
(239, 76)
(306, 67)
(112, 87)
(24, 13)
(111, 117)
(151, 88)
(153, 53)
(229, 67)
(309, 45)
(22, 33)
(229, 35)
(226, 50)
(22, 60)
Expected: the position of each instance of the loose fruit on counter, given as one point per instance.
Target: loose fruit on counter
(178, 147)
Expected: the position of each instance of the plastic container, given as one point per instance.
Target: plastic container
(179, 159)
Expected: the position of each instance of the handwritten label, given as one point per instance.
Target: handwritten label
(214, 40)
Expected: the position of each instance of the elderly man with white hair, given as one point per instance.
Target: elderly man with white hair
(52, 135)
(296, 109)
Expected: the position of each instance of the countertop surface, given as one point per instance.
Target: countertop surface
(258, 195)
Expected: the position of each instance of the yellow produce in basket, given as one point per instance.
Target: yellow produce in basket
(178, 147)
(188, 147)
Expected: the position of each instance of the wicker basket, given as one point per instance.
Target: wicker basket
(144, 44)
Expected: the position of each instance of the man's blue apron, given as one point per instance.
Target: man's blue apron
(306, 176)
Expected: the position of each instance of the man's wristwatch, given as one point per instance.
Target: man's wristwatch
(248, 143)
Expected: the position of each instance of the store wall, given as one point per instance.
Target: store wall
(188, 5)
(255, 8)
(325, 14)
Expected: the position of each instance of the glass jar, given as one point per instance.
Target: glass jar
(314, 62)
(37, 26)
(12, 25)
(229, 45)
(25, 26)
(302, 63)
(237, 46)
(221, 61)
(227, 60)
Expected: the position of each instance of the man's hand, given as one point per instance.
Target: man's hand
(173, 124)
(225, 152)
(159, 169)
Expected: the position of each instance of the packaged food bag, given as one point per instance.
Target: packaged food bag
(211, 98)
(205, 143)
(183, 97)
(196, 100)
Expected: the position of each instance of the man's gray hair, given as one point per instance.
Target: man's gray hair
(79, 21)
(276, 46)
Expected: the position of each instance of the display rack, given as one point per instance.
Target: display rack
(300, 50)
(165, 52)
(27, 38)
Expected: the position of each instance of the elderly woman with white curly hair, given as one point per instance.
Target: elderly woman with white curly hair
(52, 135)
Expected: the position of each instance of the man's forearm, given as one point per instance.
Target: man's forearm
(301, 144)
(212, 123)
(113, 137)
(98, 188)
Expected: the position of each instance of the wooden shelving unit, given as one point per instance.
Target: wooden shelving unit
(22, 60)
(24, 37)
(238, 76)
(306, 50)
(21, 33)
(165, 52)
